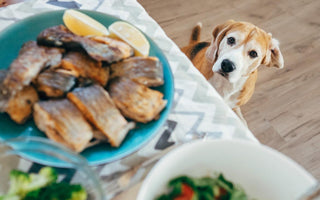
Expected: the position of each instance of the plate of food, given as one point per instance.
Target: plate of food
(86, 80)
(225, 169)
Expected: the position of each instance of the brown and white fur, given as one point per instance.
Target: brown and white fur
(231, 60)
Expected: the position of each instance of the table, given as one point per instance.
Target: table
(198, 111)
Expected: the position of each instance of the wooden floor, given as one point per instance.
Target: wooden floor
(284, 112)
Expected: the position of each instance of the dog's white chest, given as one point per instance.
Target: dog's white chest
(229, 92)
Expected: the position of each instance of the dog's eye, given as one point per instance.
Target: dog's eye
(231, 40)
(253, 54)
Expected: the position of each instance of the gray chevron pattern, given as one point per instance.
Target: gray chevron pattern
(197, 108)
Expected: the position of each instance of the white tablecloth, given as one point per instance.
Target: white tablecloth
(198, 110)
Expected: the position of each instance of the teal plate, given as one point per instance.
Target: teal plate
(11, 40)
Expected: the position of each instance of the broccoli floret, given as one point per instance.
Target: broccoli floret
(46, 176)
(42, 186)
(18, 182)
(58, 191)
(21, 183)
(10, 197)
(78, 193)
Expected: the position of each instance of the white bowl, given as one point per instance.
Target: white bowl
(264, 173)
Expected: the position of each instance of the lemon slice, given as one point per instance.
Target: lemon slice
(83, 25)
(130, 35)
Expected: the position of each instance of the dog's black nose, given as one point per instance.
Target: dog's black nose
(227, 66)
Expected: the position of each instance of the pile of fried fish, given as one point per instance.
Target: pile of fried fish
(81, 90)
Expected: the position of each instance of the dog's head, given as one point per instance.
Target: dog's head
(239, 48)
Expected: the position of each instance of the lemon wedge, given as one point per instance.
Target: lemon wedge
(83, 25)
(130, 35)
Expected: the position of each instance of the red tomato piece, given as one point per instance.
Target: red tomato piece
(186, 193)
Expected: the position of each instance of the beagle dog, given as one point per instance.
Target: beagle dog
(231, 60)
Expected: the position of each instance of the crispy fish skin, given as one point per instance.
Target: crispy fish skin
(84, 66)
(54, 56)
(136, 101)
(125, 49)
(102, 52)
(3, 74)
(4, 98)
(60, 36)
(145, 70)
(63, 122)
(30, 61)
(54, 83)
(20, 105)
(25, 67)
(96, 105)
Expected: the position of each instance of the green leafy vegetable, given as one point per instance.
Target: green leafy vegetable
(57, 191)
(206, 188)
(21, 183)
(41, 186)
(10, 197)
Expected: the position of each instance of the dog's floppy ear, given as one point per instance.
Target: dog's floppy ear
(217, 35)
(274, 57)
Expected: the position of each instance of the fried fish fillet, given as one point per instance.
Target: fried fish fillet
(22, 70)
(54, 56)
(96, 105)
(126, 50)
(26, 66)
(54, 83)
(84, 66)
(4, 98)
(3, 74)
(20, 105)
(63, 122)
(136, 101)
(145, 70)
(30, 61)
(60, 36)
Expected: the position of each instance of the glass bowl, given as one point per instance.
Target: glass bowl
(30, 154)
